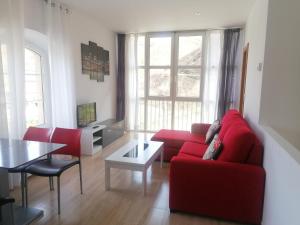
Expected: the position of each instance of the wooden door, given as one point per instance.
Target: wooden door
(244, 78)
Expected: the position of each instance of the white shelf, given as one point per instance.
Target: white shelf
(96, 138)
(96, 128)
(91, 139)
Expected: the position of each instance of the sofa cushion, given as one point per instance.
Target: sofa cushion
(230, 114)
(193, 149)
(234, 120)
(186, 156)
(237, 142)
(218, 147)
(212, 131)
(214, 149)
(256, 153)
(176, 138)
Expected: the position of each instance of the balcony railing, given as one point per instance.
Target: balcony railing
(158, 114)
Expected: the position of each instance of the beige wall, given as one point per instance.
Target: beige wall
(281, 159)
(280, 103)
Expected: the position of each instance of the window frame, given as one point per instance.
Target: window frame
(174, 67)
(148, 67)
(201, 67)
(45, 82)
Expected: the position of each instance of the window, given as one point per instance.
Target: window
(169, 79)
(189, 65)
(34, 97)
(160, 66)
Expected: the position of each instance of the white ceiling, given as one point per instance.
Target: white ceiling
(164, 15)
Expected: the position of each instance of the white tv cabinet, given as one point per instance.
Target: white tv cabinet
(91, 139)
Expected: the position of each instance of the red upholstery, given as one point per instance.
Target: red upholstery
(255, 156)
(231, 117)
(174, 139)
(70, 137)
(237, 143)
(193, 149)
(231, 187)
(224, 190)
(200, 128)
(169, 152)
(38, 134)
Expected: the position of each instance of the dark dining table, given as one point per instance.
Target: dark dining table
(14, 153)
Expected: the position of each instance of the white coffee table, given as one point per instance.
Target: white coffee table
(134, 155)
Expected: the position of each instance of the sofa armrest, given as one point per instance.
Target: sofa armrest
(200, 128)
(222, 189)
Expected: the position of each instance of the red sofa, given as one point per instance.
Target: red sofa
(231, 187)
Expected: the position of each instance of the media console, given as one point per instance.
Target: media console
(100, 134)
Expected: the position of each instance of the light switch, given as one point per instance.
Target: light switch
(260, 66)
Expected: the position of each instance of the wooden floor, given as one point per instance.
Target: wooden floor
(124, 204)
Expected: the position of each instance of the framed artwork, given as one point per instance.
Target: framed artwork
(106, 62)
(95, 61)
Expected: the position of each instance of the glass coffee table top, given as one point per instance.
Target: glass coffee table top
(134, 152)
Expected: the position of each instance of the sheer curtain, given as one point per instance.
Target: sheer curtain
(131, 80)
(213, 53)
(230, 73)
(12, 75)
(63, 102)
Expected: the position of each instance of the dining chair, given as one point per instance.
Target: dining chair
(6, 201)
(53, 167)
(31, 134)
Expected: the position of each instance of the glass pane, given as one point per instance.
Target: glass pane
(32, 62)
(33, 86)
(160, 51)
(159, 114)
(186, 113)
(33, 89)
(34, 113)
(141, 87)
(190, 50)
(188, 83)
(141, 50)
(159, 82)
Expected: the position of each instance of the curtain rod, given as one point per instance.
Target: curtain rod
(174, 31)
(62, 6)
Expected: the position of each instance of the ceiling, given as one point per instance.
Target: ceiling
(165, 15)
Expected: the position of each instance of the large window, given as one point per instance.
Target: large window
(169, 79)
(34, 97)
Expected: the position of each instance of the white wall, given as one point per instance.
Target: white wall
(82, 29)
(282, 191)
(255, 36)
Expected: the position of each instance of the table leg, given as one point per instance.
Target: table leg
(145, 181)
(6, 210)
(161, 158)
(107, 176)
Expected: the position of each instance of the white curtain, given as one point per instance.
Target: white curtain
(12, 74)
(213, 54)
(63, 103)
(131, 79)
